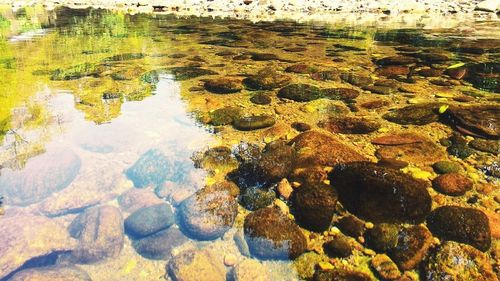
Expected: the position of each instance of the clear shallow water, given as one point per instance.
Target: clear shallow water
(101, 109)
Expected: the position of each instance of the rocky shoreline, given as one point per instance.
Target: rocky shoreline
(443, 13)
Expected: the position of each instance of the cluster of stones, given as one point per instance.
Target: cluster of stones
(297, 193)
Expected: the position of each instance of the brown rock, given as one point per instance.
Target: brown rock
(453, 184)
(392, 70)
(424, 152)
(397, 139)
(385, 267)
(350, 125)
(315, 148)
(413, 244)
(272, 235)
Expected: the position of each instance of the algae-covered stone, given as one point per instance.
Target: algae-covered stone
(356, 79)
(418, 114)
(188, 72)
(412, 246)
(272, 235)
(460, 262)
(306, 263)
(207, 214)
(152, 168)
(395, 197)
(225, 115)
(444, 167)
(383, 237)
(339, 247)
(464, 225)
(477, 120)
(254, 198)
(250, 123)
(314, 206)
(350, 125)
(266, 79)
(300, 92)
(223, 85)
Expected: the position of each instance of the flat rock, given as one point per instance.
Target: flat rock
(395, 197)
(21, 244)
(99, 231)
(397, 60)
(52, 273)
(464, 225)
(159, 246)
(478, 120)
(250, 123)
(250, 270)
(356, 79)
(417, 114)
(350, 125)
(316, 148)
(300, 92)
(272, 235)
(424, 152)
(223, 85)
(397, 139)
(266, 79)
(42, 176)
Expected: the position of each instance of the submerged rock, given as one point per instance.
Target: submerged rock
(159, 246)
(424, 152)
(189, 264)
(314, 206)
(135, 199)
(272, 235)
(339, 247)
(276, 161)
(484, 76)
(340, 275)
(326, 75)
(397, 60)
(250, 270)
(188, 72)
(356, 79)
(149, 220)
(250, 123)
(464, 225)
(460, 262)
(261, 99)
(491, 146)
(444, 167)
(418, 114)
(207, 215)
(124, 57)
(52, 273)
(300, 68)
(316, 148)
(350, 125)
(395, 197)
(41, 177)
(254, 198)
(300, 92)
(385, 267)
(266, 79)
(152, 168)
(453, 184)
(21, 243)
(223, 85)
(412, 246)
(225, 115)
(383, 237)
(99, 231)
(483, 121)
